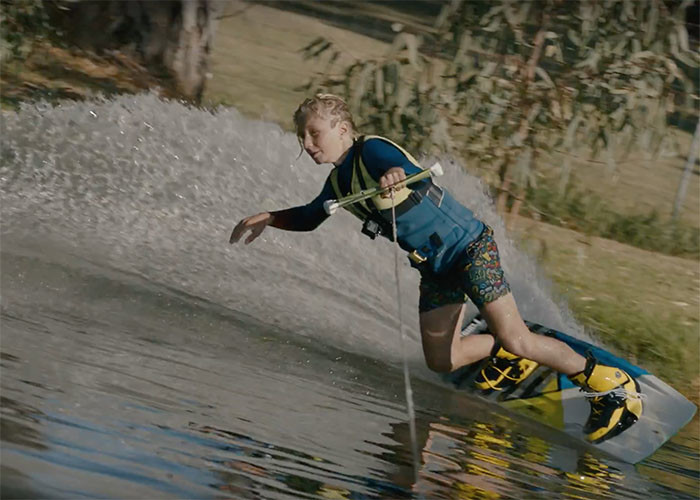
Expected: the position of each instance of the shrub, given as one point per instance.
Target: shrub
(21, 24)
(588, 213)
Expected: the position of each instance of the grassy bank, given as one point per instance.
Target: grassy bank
(582, 210)
(53, 73)
(645, 305)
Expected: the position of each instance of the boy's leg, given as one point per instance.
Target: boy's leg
(483, 280)
(444, 348)
(507, 325)
(614, 402)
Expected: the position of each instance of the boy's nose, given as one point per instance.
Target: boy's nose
(307, 141)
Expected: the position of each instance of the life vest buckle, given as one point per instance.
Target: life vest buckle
(416, 258)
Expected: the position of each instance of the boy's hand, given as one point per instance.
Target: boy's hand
(255, 224)
(393, 177)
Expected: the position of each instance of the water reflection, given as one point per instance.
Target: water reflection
(16, 421)
(469, 452)
(259, 466)
(478, 459)
(472, 461)
(16, 484)
(592, 477)
(675, 465)
(458, 459)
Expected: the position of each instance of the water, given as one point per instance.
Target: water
(144, 357)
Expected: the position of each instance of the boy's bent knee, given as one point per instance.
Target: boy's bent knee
(519, 345)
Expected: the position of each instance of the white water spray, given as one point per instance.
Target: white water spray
(154, 187)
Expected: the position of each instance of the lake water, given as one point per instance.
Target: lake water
(144, 357)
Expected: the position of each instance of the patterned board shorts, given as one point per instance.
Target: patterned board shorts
(479, 277)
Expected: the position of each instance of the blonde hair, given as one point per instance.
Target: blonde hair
(326, 106)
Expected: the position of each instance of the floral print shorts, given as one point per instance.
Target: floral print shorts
(479, 278)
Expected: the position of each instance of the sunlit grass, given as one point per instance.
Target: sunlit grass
(644, 305)
(586, 211)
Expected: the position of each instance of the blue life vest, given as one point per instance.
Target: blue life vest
(430, 224)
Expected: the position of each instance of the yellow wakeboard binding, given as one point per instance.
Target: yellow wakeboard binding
(503, 371)
(614, 396)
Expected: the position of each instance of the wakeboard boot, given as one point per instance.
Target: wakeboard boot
(503, 371)
(614, 396)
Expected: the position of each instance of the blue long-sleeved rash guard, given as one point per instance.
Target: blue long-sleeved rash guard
(439, 230)
(377, 155)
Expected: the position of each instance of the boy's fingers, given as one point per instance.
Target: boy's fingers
(389, 193)
(237, 232)
(253, 234)
(234, 238)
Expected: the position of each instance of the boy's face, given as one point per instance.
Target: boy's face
(323, 142)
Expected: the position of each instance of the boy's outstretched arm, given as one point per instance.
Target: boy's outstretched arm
(256, 224)
(304, 218)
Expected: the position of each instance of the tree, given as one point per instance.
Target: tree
(687, 172)
(175, 35)
(501, 82)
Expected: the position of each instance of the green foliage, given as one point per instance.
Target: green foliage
(507, 80)
(588, 213)
(22, 23)
(663, 345)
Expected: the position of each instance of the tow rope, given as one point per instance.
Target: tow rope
(404, 354)
(331, 207)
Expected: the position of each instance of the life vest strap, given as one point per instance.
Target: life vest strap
(430, 190)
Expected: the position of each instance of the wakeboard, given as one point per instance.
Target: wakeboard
(551, 398)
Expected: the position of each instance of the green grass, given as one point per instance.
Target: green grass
(667, 347)
(587, 212)
(644, 305)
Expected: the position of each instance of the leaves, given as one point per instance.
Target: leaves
(22, 22)
(526, 76)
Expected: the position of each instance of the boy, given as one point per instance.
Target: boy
(457, 258)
